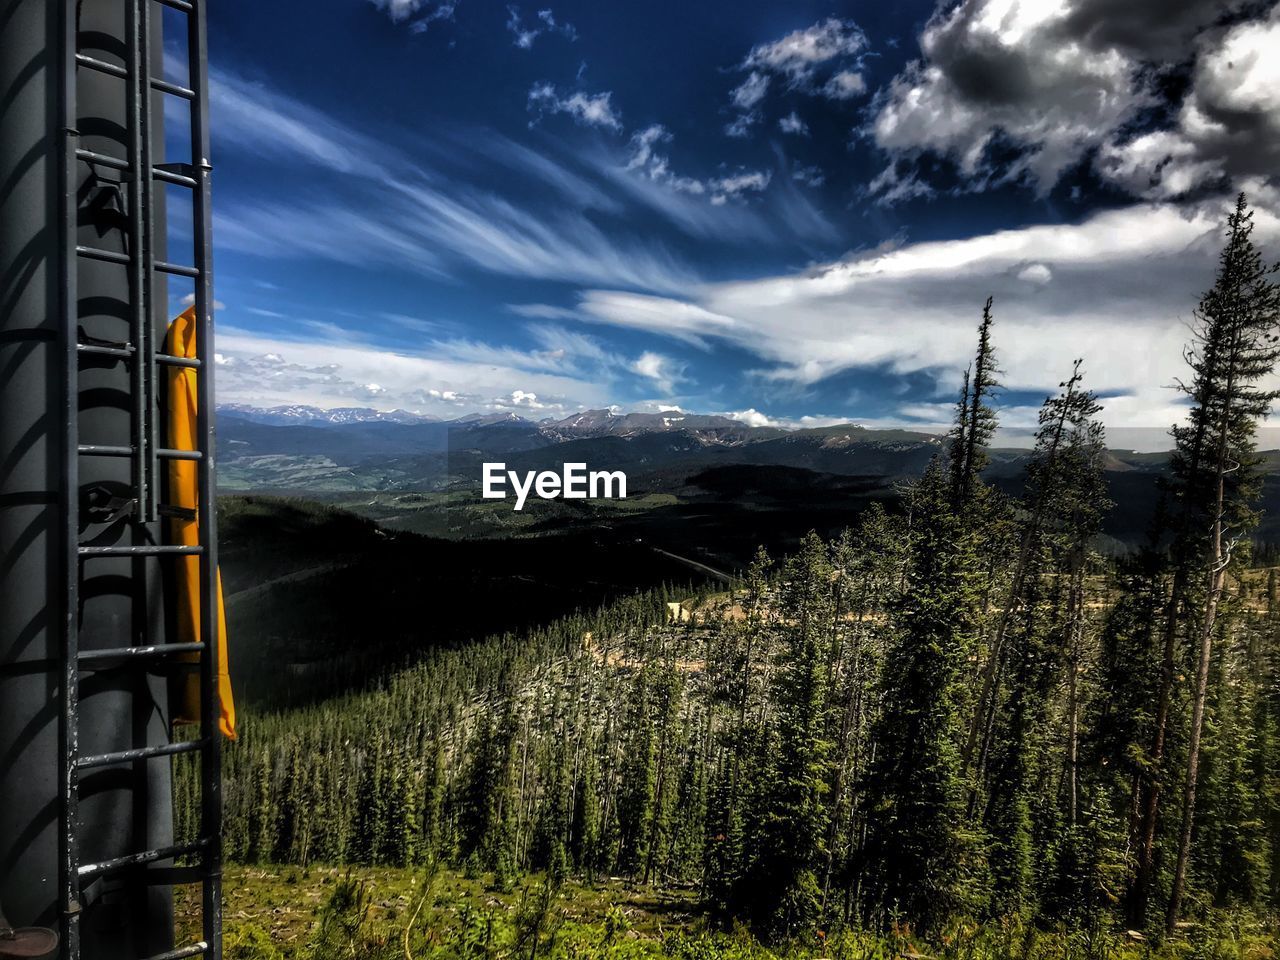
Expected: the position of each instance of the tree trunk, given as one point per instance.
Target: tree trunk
(1140, 893)
(1218, 561)
(1015, 593)
(1073, 696)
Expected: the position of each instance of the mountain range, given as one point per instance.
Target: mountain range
(700, 459)
(351, 448)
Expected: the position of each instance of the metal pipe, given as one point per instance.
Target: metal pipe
(206, 513)
(111, 655)
(141, 753)
(140, 859)
(143, 550)
(69, 907)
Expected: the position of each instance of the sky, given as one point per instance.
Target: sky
(790, 213)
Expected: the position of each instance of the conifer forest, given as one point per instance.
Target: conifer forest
(957, 711)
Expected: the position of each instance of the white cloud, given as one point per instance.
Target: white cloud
(592, 110)
(752, 418)
(542, 311)
(1123, 283)
(809, 176)
(274, 125)
(662, 370)
(798, 59)
(266, 371)
(1035, 273)
(646, 160)
(1004, 66)
(845, 85)
(396, 212)
(741, 125)
(751, 91)
(747, 181)
(523, 37)
(1063, 81)
(674, 318)
(1227, 128)
(520, 399)
(891, 185)
(799, 54)
(792, 124)
(419, 14)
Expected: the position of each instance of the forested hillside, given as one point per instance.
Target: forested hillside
(956, 710)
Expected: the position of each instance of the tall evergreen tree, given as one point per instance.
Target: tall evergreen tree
(1234, 348)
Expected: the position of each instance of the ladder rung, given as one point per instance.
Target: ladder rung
(160, 171)
(182, 5)
(103, 450)
(93, 63)
(140, 859)
(145, 550)
(102, 350)
(102, 159)
(91, 657)
(140, 753)
(170, 176)
(108, 256)
(164, 86)
(177, 269)
(182, 952)
(111, 70)
(172, 361)
(111, 450)
(126, 351)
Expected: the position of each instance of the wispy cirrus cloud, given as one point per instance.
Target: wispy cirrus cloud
(392, 211)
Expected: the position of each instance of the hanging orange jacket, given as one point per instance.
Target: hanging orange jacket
(183, 494)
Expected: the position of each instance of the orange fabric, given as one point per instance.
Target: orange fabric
(183, 492)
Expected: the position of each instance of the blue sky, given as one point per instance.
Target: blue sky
(790, 212)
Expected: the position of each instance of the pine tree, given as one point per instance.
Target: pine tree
(917, 848)
(786, 893)
(1042, 619)
(1233, 348)
(975, 418)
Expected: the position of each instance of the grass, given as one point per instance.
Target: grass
(284, 905)
(380, 913)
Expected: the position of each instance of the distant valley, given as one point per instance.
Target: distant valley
(703, 477)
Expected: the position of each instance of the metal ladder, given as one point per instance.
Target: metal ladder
(146, 364)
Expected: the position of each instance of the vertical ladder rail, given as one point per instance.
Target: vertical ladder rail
(206, 513)
(68, 783)
(146, 358)
(138, 240)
